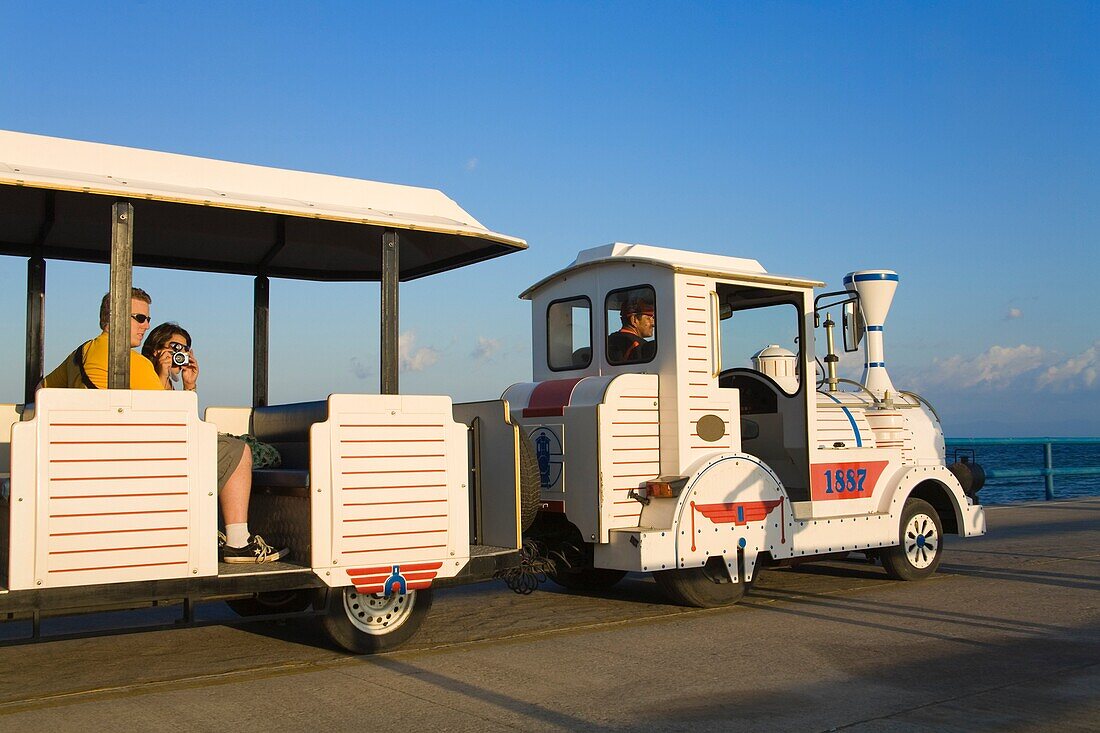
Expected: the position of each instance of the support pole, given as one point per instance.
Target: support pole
(36, 326)
(122, 279)
(1048, 464)
(390, 276)
(261, 299)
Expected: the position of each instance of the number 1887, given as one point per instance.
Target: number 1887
(839, 481)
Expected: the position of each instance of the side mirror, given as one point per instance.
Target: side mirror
(853, 325)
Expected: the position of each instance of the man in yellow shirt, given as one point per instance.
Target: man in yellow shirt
(87, 367)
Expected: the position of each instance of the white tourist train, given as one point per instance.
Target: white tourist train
(709, 447)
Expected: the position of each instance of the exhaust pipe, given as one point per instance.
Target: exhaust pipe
(876, 293)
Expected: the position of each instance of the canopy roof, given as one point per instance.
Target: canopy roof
(700, 263)
(211, 215)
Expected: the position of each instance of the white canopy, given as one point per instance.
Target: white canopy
(198, 213)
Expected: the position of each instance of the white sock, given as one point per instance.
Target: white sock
(236, 535)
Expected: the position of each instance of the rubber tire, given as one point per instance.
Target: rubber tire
(348, 636)
(695, 586)
(588, 579)
(896, 561)
(530, 484)
(261, 604)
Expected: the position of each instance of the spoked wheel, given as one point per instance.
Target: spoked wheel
(708, 586)
(921, 548)
(366, 624)
(588, 578)
(281, 601)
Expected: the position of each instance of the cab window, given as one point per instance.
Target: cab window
(569, 334)
(631, 325)
(760, 333)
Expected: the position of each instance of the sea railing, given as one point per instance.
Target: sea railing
(1047, 472)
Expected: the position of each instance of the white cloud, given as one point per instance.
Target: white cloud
(995, 368)
(486, 348)
(1077, 372)
(412, 359)
(472, 164)
(359, 369)
(1013, 313)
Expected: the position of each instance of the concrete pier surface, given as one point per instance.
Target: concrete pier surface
(1005, 637)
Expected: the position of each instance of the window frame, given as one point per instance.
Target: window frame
(800, 315)
(591, 340)
(608, 333)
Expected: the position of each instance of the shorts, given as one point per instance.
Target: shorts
(230, 452)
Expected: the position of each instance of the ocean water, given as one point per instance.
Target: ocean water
(1009, 490)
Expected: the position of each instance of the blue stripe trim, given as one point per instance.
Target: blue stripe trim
(873, 328)
(852, 420)
(875, 364)
(871, 276)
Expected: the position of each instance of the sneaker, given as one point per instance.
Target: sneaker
(222, 539)
(256, 551)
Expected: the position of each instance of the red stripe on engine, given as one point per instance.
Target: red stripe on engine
(549, 399)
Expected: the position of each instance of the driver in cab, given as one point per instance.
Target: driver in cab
(629, 344)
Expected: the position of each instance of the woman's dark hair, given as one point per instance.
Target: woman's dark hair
(158, 338)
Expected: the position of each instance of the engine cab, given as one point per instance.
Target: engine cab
(651, 366)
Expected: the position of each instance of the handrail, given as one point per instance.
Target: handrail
(1047, 471)
(926, 403)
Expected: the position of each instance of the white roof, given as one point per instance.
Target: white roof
(677, 259)
(39, 162)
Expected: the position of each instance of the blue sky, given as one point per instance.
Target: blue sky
(953, 142)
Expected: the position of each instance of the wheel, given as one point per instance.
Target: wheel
(530, 486)
(588, 578)
(280, 601)
(921, 543)
(367, 624)
(708, 586)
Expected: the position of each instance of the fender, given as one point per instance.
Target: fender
(969, 518)
(734, 506)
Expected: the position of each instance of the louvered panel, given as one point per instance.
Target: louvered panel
(392, 482)
(630, 447)
(118, 488)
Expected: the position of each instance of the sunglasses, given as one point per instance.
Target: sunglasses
(141, 318)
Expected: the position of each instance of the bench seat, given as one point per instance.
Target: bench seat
(280, 478)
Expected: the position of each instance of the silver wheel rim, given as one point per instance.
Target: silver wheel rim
(921, 541)
(376, 615)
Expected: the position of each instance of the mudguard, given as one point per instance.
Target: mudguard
(970, 517)
(733, 506)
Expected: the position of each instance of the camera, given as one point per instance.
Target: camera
(180, 356)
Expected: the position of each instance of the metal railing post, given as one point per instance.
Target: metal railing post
(1049, 466)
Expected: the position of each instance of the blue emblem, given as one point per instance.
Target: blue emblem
(549, 454)
(395, 579)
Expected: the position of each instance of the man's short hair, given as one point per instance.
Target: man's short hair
(105, 305)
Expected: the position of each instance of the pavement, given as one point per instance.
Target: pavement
(1005, 637)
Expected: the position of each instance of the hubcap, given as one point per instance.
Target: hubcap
(374, 614)
(921, 540)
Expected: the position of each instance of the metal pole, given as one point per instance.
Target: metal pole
(261, 299)
(1049, 466)
(36, 326)
(390, 276)
(122, 279)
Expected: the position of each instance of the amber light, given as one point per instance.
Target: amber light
(665, 487)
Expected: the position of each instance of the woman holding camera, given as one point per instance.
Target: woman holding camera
(168, 346)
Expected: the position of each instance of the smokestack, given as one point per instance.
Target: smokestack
(876, 292)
